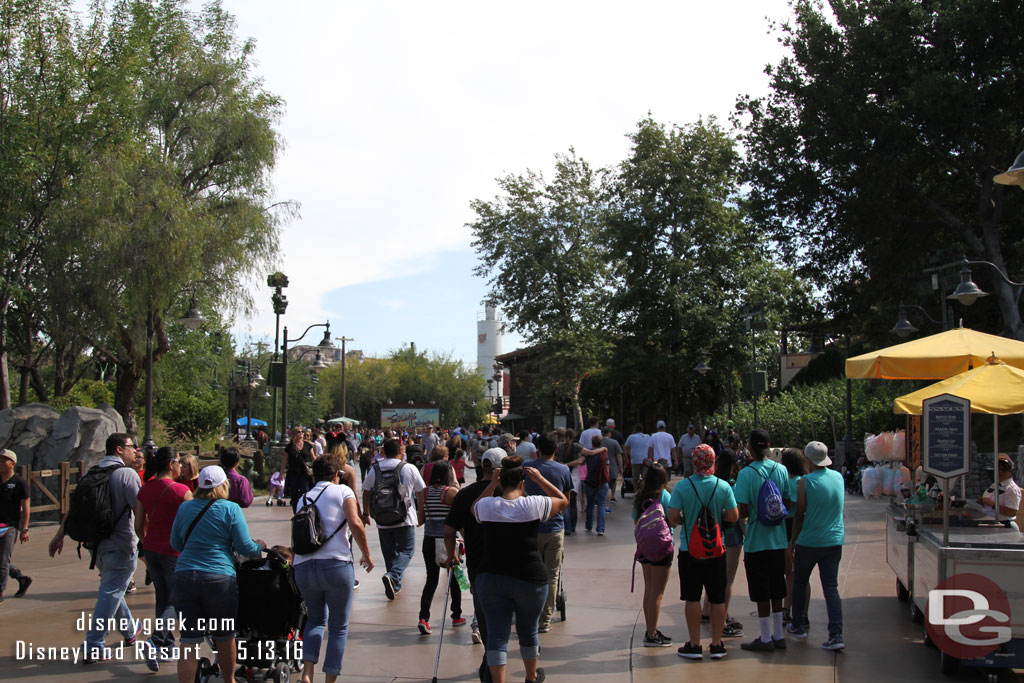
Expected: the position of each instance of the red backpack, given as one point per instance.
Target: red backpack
(706, 535)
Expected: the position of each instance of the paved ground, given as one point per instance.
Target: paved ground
(600, 641)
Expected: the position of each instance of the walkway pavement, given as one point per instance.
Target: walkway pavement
(601, 641)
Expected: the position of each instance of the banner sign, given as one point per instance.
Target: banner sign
(409, 418)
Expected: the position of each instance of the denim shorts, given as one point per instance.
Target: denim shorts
(732, 535)
(207, 604)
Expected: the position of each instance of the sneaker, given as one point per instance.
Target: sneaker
(540, 677)
(268, 502)
(458, 621)
(729, 621)
(544, 628)
(758, 645)
(476, 636)
(717, 651)
(23, 584)
(355, 584)
(834, 643)
(656, 641)
(152, 661)
(149, 579)
(732, 631)
(389, 587)
(797, 632)
(130, 588)
(779, 643)
(130, 640)
(600, 533)
(664, 638)
(787, 617)
(424, 627)
(691, 651)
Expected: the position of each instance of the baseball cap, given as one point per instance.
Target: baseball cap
(492, 457)
(759, 440)
(1003, 457)
(817, 453)
(691, 426)
(609, 422)
(8, 453)
(661, 424)
(211, 477)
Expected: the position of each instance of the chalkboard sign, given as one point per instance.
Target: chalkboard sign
(946, 435)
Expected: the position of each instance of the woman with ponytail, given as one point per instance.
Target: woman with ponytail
(155, 508)
(655, 572)
(512, 577)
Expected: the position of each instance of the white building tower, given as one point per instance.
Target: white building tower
(488, 337)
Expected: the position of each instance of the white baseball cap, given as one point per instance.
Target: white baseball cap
(211, 477)
(817, 453)
(494, 456)
(11, 455)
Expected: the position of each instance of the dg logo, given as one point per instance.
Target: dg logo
(968, 616)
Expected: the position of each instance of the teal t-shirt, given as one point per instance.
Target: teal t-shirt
(823, 516)
(665, 497)
(684, 499)
(760, 537)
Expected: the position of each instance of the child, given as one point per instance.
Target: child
(277, 487)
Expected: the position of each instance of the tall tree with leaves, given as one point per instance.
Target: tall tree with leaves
(540, 248)
(879, 142)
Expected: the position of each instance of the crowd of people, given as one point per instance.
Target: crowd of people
(732, 500)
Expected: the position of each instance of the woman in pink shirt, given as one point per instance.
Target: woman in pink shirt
(155, 509)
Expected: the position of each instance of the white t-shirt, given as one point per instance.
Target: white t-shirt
(521, 509)
(587, 437)
(687, 443)
(318, 450)
(332, 513)
(662, 443)
(412, 481)
(1009, 496)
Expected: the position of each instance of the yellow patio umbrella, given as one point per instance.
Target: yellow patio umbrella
(938, 356)
(994, 388)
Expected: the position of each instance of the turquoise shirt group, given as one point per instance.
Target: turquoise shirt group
(748, 484)
(210, 547)
(664, 500)
(690, 494)
(823, 516)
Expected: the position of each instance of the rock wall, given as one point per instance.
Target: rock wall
(43, 438)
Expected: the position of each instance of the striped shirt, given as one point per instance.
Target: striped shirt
(436, 511)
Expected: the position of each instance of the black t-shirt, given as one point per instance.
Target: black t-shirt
(12, 492)
(460, 516)
(511, 549)
(297, 477)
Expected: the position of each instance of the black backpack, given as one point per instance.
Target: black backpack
(91, 517)
(388, 505)
(308, 527)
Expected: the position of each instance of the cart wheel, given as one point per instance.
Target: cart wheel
(203, 670)
(916, 615)
(928, 642)
(950, 665)
(282, 672)
(902, 594)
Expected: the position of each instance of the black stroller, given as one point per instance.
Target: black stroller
(271, 616)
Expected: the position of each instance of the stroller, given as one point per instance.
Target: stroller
(271, 616)
(627, 480)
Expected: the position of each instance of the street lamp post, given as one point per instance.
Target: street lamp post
(344, 403)
(325, 343)
(280, 302)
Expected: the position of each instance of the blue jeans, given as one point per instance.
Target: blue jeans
(161, 570)
(326, 586)
(827, 559)
(397, 545)
(206, 599)
(117, 567)
(596, 496)
(571, 514)
(501, 597)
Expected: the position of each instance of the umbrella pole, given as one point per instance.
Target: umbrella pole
(995, 462)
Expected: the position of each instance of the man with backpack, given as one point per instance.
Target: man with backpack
(699, 504)
(763, 492)
(389, 491)
(100, 517)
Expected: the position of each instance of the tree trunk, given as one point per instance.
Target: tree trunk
(128, 376)
(576, 407)
(5, 379)
(37, 383)
(23, 386)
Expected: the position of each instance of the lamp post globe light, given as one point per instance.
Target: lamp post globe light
(318, 364)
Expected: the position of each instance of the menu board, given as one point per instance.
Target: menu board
(946, 435)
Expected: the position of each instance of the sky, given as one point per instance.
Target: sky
(399, 114)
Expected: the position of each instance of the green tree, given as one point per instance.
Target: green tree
(878, 142)
(539, 246)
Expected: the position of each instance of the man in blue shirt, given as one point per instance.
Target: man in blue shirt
(699, 574)
(818, 540)
(551, 533)
(764, 556)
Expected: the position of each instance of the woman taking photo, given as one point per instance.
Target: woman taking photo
(326, 578)
(512, 578)
(155, 508)
(656, 572)
(207, 532)
(433, 504)
(297, 471)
